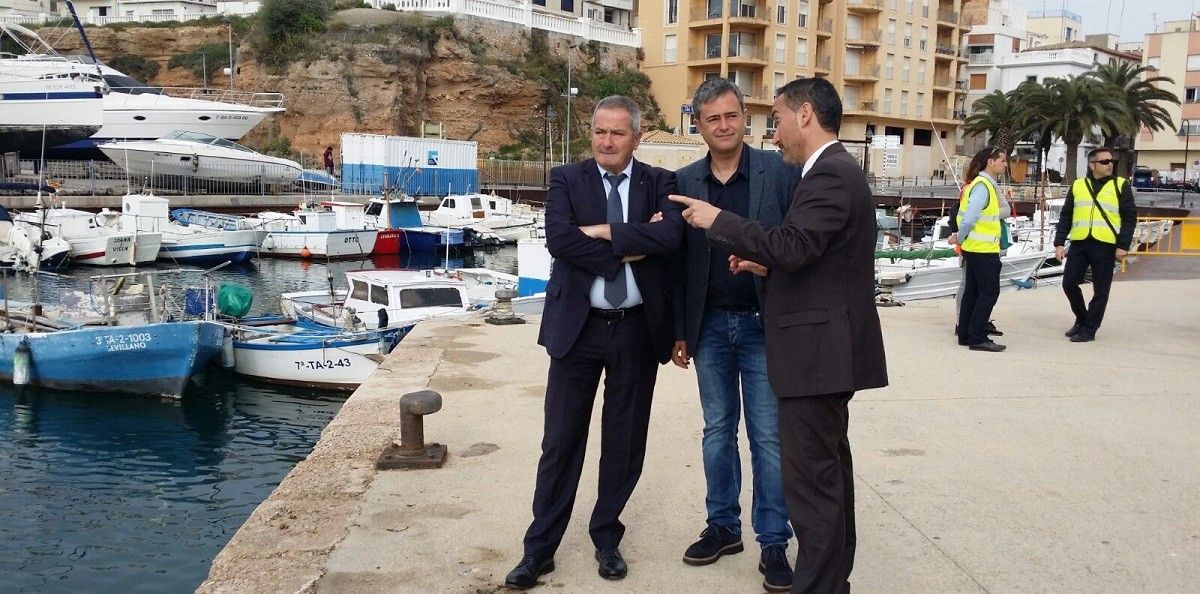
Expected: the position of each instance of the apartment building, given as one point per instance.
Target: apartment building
(30, 8)
(1054, 26)
(895, 63)
(1175, 53)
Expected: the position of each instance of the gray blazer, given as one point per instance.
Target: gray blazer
(771, 185)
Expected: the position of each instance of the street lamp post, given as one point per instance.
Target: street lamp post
(1186, 130)
(548, 148)
(571, 92)
(232, 71)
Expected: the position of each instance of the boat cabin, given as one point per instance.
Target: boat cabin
(406, 296)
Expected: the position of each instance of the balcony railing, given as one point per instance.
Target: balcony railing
(864, 4)
(948, 16)
(942, 81)
(982, 58)
(747, 52)
(705, 53)
(864, 37)
(753, 12)
(707, 13)
(945, 50)
(825, 63)
(871, 106)
(864, 71)
(825, 26)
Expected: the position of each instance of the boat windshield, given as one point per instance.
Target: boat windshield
(202, 138)
(129, 85)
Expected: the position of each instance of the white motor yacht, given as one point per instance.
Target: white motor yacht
(37, 112)
(133, 110)
(201, 156)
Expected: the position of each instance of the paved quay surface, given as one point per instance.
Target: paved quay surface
(1050, 467)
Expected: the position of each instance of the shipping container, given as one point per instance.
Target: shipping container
(418, 166)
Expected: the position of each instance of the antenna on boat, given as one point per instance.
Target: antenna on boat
(83, 35)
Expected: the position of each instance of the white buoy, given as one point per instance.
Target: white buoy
(22, 363)
(228, 358)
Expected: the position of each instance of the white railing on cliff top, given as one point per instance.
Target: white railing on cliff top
(521, 13)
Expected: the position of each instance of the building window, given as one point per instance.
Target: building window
(1067, 36)
(749, 127)
(670, 48)
(924, 38)
(887, 101)
(919, 108)
(1153, 62)
(978, 82)
(714, 9)
(781, 13)
(888, 67)
(909, 4)
(908, 34)
(801, 51)
(780, 48)
(922, 137)
(802, 13)
(672, 12)
(712, 45)
(921, 71)
(1193, 62)
(905, 68)
(1191, 95)
(770, 127)
(741, 44)
(567, 5)
(903, 103)
(894, 131)
(891, 32)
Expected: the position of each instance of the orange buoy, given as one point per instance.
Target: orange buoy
(304, 253)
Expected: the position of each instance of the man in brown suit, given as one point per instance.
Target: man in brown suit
(822, 331)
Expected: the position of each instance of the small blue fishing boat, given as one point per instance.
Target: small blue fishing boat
(154, 359)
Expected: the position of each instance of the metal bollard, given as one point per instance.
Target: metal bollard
(412, 452)
(501, 313)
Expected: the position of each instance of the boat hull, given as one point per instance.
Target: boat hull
(941, 279)
(198, 166)
(116, 250)
(319, 244)
(332, 363)
(208, 249)
(151, 359)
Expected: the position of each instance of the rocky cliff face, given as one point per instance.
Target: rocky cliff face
(364, 78)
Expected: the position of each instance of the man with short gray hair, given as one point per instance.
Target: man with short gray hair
(610, 229)
(718, 320)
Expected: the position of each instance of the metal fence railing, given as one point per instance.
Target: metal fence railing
(514, 173)
(105, 178)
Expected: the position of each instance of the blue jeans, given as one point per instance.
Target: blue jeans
(732, 347)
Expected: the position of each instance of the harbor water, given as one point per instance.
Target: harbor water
(111, 492)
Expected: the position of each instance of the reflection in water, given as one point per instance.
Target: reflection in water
(111, 492)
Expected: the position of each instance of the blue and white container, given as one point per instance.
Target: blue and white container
(416, 166)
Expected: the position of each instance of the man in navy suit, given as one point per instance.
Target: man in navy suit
(610, 229)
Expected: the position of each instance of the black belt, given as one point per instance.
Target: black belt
(615, 314)
(738, 310)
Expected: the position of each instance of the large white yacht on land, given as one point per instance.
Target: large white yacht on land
(131, 109)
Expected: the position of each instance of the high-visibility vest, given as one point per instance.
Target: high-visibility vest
(1089, 214)
(984, 237)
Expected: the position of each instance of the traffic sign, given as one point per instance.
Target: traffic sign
(686, 108)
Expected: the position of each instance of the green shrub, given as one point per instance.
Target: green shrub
(214, 56)
(285, 30)
(136, 66)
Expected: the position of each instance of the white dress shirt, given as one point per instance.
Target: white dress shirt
(813, 158)
(633, 296)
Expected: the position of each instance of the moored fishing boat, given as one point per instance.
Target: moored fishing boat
(310, 356)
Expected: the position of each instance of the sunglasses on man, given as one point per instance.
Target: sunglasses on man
(1104, 161)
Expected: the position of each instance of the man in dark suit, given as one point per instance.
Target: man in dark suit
(718, 319)
(822, 331)
(607, 310)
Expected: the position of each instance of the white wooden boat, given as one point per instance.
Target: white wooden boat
(92, 242)
(486, 213)
(184, 244)
(287, 353)
(332, 230)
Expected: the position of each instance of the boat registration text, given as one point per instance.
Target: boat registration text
(326, 364)
(124, 342)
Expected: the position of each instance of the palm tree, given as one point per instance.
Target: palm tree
(1000, 117)
(1136, 87)
(1068, 108)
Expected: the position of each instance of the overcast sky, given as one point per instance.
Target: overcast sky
(1131, 19)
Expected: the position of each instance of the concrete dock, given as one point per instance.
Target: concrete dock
(1050, 467)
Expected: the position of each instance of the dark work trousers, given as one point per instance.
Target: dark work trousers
(818, 486)
(979, 296)
(621, 349)
(1101, 258)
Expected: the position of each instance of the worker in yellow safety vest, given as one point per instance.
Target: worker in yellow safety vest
(979, 229)
(1098, 218)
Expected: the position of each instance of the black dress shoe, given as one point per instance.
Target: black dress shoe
(1075, 329)
(524, 576)
(1083, 336)
(612, 565)
(988, 346)
(993, 330)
